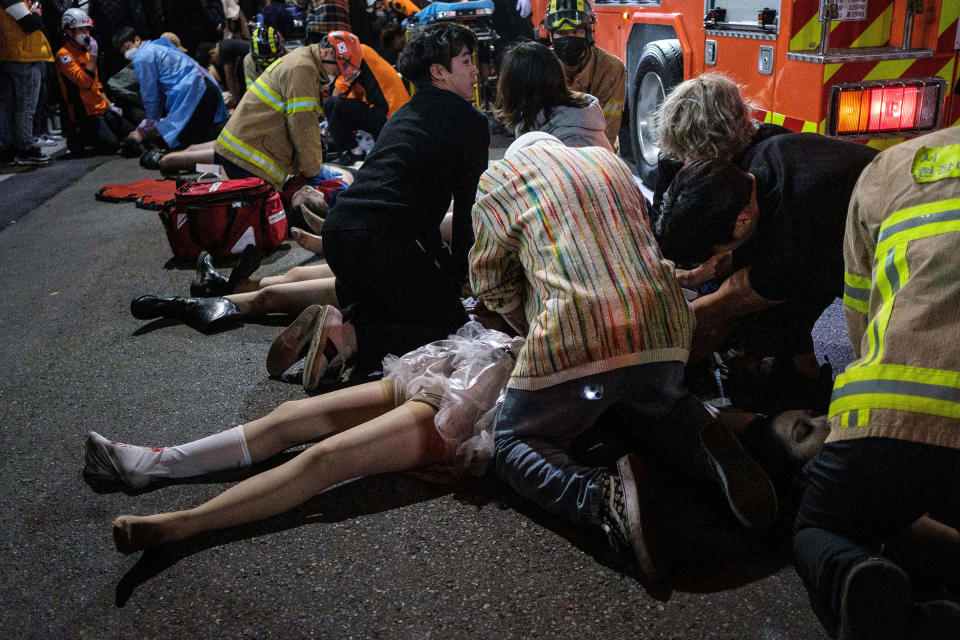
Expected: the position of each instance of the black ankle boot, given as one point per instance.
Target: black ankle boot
(249, 262)
(202, 314)
(208, 283)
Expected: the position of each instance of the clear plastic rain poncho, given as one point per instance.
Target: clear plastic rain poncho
(464, 377)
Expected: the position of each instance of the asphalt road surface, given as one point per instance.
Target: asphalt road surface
(389, 556)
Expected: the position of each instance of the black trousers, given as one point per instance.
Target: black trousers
(863, 493)
(201, 127)
(346, 115)
(396, 295)
(102, 132)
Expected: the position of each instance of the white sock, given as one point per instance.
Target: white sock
(137, 466)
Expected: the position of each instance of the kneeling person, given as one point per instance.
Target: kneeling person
(184, 105)
(572, 263)
(366, 92)
(781, 211)
(275, 130)
(94, 121)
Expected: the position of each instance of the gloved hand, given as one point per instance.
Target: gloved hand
(117, 110)
(30, 22)
(147, 125)
(93, 48)
(523, 8)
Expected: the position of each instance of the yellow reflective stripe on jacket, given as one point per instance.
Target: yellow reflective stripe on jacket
(299, 105)
(855, 417)
(896, 387)
(918, 222)
(267, 95)
(856, 292)
(251, 155)
(276, 102)
(613, 108)
(891, 275)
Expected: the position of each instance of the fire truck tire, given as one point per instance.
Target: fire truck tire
(659, 70)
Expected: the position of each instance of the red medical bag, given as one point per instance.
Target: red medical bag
(223, 217)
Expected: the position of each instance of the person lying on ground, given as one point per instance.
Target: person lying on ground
(216, 301)
(435, 408)
(432, 409)
(564, 252)
(532, 95)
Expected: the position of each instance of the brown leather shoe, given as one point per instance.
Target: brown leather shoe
(324, 352)
(292, 343)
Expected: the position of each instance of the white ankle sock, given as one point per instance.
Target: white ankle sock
(138, 465)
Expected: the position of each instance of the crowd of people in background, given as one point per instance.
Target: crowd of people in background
(514, 306)
(90, 74)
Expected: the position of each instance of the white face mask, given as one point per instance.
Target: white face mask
(129, 53)
(82, 40)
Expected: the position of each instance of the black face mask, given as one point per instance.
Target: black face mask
(570, 49)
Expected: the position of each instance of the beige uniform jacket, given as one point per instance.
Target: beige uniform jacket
(902, 297)
(604, 77)
(275, 129)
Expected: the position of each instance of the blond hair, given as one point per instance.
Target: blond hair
(705, 118)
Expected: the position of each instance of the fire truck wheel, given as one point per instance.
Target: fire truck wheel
(659, 70)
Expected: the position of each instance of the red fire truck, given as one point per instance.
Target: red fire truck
(876, 71)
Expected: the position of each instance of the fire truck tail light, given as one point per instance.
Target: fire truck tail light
(886, 107)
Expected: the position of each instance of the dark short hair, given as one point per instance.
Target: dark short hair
(439, 43)
(700, 210)
(531, 82)
(125, 34)
(203, 52)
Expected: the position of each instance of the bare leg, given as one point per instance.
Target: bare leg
(308, 420)
(446, 227)
(187, 159)
(290, 298)
(404, 438)
(296, 274)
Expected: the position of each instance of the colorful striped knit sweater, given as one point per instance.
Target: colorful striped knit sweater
(564, 231)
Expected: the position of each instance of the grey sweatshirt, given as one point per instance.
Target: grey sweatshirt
(576, 127)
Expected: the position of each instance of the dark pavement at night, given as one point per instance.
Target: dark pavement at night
(389, 556)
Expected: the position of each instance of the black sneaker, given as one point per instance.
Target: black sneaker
(749, 492)
(346, 158)
(876, 602)
(626, 519)
(150, 159)
(33, 155)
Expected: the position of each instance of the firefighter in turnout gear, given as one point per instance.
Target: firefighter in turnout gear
(587, 67)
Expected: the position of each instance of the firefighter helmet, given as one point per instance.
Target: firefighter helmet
(74, 19)
(266, 45)
(347, 53)
(566, 15)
